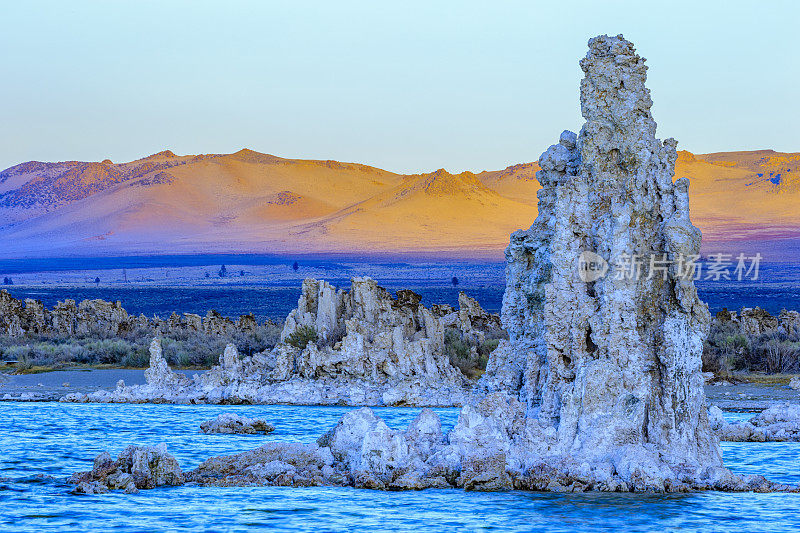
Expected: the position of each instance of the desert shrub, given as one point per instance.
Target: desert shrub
(262, 338)
(24, 362)
(107, 351)
(302, 336)
(182, 348)
(487, 347)
(726, 350)
(137, 358)
(467, 355)
(777, 353)
(197, 351)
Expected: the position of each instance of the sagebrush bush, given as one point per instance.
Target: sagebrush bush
(728, 350)
(467, 355)
(182, 348)
(302, 336)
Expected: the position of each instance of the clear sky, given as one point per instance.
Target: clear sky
(407, 86)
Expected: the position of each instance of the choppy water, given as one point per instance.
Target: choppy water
(52, 439)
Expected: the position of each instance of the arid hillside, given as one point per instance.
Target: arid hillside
(253, 202)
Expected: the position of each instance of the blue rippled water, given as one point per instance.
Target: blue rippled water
(42, 443)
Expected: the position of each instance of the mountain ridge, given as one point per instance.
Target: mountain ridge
(250, 201)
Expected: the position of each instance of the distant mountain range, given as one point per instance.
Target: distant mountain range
(259, 203)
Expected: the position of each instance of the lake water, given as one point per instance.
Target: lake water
(53, 439)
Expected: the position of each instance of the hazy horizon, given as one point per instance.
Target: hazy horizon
(407, 88)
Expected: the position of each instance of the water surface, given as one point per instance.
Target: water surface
(53, 439)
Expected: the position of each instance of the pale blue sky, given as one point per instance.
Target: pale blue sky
(406, 86)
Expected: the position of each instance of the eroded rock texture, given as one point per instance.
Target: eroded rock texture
(757, 321)
(362, 347)
(104, 319)
(480, 453)
(609, 368)
(778, 423)
(137, 467)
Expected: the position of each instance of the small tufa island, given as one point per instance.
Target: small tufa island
(598, 387)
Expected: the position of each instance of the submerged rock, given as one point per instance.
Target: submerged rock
(233, 423)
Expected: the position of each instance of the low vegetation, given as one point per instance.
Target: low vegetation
(302, 336)
(182, 349)
(728, 350)
(468, 354)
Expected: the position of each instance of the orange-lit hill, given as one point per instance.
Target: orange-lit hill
(253, 202)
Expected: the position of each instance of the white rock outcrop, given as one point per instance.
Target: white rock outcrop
(159, 375)
(482, 453)
(607, 363)
(778, 423)
(356, 347)
(137, 467)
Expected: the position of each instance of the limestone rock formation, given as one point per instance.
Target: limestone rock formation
(778, 423)
(607, 362)
(162, 384)
(599, 385)
(104, 319)
(356, 347)
(470, 319)
(757, 321)
(159, 374)
(137, 467)
(232, 423)
(482, 453)
(274, 463)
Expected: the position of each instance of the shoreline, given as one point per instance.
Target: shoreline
(745, 396)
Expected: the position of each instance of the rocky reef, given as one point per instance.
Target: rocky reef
(231, 423)
(356, 347)
(480, 453)
(137, 467)
(778, 423)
